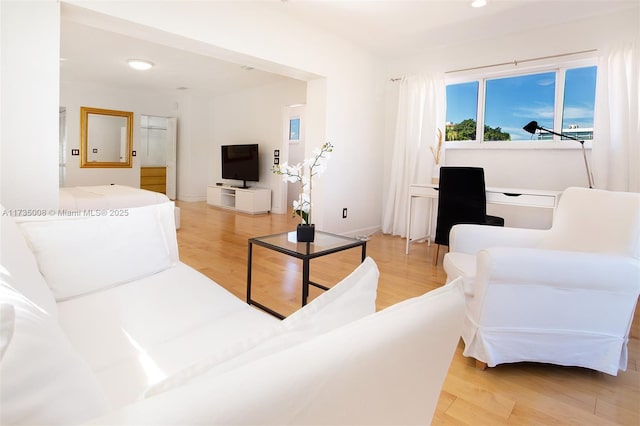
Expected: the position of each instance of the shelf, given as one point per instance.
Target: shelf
(246, 200)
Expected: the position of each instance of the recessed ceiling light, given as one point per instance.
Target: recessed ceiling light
(139, 64)
(479, 3)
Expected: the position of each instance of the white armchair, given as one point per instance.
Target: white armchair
(564, 296)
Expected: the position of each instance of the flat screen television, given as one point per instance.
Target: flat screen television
(241, 162)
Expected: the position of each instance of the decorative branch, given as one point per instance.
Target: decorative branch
(438, 150)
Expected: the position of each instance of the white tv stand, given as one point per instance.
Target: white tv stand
(250, 200)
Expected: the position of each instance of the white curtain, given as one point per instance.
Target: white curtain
(421, 111)
(616, 146)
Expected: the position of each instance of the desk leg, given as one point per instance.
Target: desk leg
(249, 274)
(430, 221)
(305, 281)
(364, 252)
(408, 230)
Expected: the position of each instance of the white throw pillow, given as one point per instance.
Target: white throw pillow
(43, 380)
(81, 255)
(351, 299)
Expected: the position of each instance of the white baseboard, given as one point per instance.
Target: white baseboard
(192, 198)
(362, 232)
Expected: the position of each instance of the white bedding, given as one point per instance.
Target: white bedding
(107, 197)
(99, 197)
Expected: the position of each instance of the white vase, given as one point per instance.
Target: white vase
(435, 174)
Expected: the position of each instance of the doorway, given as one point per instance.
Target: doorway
(158, 154)
(294, 134)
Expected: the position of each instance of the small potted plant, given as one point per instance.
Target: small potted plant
(304, 174)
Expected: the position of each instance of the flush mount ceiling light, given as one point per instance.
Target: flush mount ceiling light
(479, 3)
(139, 64)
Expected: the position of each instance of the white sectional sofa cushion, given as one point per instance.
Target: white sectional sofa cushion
(349, 300)
(43, 380)
(154, 327)
(72, 252)
(385, 369)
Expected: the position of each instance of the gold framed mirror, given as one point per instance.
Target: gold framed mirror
(106, 138)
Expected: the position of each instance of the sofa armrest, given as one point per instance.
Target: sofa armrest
(567, 269)
(472, 238)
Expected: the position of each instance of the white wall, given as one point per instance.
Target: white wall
(253, 116)
(542, 168)
(29, 62)
(264, 40)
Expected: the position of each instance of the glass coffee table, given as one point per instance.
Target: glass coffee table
(324, 244)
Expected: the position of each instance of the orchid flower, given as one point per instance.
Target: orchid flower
(298, 173)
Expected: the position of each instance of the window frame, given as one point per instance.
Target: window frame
(506, 71)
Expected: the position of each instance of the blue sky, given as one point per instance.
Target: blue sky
(514, 101)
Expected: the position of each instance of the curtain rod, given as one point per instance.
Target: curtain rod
(515, 62)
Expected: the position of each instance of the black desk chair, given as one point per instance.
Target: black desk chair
(461, 199)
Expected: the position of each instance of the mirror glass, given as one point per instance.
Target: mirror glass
(106, 137)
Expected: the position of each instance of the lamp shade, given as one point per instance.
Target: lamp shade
(531, 127)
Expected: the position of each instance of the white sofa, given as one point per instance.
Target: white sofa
(565, 295)
(101, 323)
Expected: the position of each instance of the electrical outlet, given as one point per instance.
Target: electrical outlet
(344, 213)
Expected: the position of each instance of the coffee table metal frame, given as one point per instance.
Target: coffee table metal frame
(325, 243)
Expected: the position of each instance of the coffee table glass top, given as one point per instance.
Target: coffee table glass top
(324, 243)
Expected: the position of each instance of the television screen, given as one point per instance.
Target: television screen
(240, 162)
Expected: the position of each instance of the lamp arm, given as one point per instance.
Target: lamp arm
(561, 135)
(586, 165)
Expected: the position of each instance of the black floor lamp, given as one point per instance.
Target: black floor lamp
(532, 126)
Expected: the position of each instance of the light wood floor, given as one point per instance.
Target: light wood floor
(215, 242)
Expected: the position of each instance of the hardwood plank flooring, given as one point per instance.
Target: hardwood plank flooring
(214, 242)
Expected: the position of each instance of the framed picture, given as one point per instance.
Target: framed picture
(276, 160)
(276, 153)
(294, 129)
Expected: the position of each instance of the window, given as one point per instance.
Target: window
(462, 107)
(561, 100)
(294, 129)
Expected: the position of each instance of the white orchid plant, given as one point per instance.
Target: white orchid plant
(304, 173)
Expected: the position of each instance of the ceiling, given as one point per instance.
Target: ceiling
(388, 28)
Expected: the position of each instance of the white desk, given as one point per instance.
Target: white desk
(509, 196)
